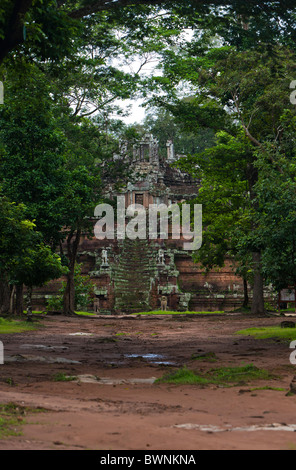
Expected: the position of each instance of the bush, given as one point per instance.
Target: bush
(84, 292)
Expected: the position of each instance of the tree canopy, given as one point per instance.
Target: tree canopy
(47, 27)
(221, 94)
(243, 95)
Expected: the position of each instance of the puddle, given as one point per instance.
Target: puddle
(153, 358)
(229, 428)
(47, 360)
(43, 347)
(80, 334)
(110, 381)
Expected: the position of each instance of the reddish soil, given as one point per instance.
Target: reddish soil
(132, 416)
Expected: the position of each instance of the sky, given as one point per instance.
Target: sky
(137, 113)
(152, 61)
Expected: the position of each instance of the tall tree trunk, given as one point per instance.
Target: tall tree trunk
(13, 28)
(19, 303)
(73, 240)
(12, 299)
(257, 307)
(29, 303)
(258, 297)
(4, 296)
(69, 295)
(246, 295)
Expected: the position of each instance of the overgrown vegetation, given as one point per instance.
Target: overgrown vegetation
(226, 376)
(61, 63)
(12, 416)
(270, 332)
(173, 312)
(208, 357)
(84, 292)
(62, 377)
(8, 326)
(266, 387)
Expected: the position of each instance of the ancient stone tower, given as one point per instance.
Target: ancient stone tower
(132, 275)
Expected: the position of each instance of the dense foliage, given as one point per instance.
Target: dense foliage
(221, 94)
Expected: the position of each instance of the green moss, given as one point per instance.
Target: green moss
(182, 376)
(161, 312)
(270, 332)
(173, 312)
(8, 326)
(276, 389)
(12, 417)
(227, 376)
(61, 377)
(35, 312)
(209, 357)
(86, 314)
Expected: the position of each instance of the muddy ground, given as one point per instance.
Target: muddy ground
(115, 404)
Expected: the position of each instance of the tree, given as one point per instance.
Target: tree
(53, 147)
(33, 165)
(276, 215)
(162, 125)
(84, 292)
(24, 259)
(235, 93)
(46, 28)
(16, 234)
(80, 200)
(60, 74)
(38, 266)
(224, 195)
(33, 151)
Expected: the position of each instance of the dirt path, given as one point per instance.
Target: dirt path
(116, 405)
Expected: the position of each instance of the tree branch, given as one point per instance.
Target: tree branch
(13, 30)
(245, 127)
(101, 5)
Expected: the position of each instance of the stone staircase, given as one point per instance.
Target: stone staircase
(133, 276)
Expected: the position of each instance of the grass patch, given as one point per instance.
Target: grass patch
(161, 312)
(61, 377)
(86, 314)
(270, 332)
(209, 357)
(35, 312)
(9, 381)
(242, 310)
(14, 326)
(173, 312)
(108, 339)
(276, 389)
(182, 376)
(12, 416)
(227, 376)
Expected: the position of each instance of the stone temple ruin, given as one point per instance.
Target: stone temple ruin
(133, 275)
